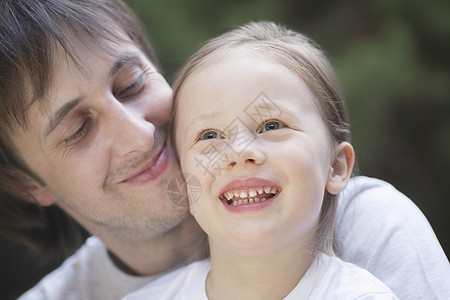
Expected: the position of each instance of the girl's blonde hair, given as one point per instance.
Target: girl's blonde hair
(305, 59)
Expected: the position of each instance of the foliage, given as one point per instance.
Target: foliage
(390, 56)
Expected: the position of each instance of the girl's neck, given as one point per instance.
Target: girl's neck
(245, 274)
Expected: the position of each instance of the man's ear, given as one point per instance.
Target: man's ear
(38, 193)
(341, 168)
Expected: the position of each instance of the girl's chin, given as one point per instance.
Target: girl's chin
(246, 242)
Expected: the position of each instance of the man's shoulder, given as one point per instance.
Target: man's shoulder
(367, 186)
(375, 202)
(365, 196)
(383, 231)
(70, 276)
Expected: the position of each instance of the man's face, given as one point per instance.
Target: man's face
(101, 144)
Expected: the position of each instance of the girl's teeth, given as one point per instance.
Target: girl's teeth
(246, 201)
(246, 197)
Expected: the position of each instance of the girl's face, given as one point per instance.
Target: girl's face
(250, 131)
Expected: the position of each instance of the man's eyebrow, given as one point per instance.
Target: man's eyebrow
(61, 113)
(129, 57)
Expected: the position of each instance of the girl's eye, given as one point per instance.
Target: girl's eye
(209, 135)
(271, 125)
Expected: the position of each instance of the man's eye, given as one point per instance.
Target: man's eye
(132, 89)
(209, 135)
(79, 134)
(271, 125)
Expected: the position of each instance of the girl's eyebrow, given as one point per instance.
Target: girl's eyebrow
(201, 117)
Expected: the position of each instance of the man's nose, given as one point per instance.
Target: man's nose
(131, 133)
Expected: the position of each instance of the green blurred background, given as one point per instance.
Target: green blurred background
(392, 58)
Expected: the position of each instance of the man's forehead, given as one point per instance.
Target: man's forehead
(82, 59)
(73, 74)
(84, 66)
(67, 69)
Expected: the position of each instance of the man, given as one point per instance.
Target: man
(84, 132)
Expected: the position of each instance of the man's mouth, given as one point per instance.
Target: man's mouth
(152, 169)
(236, 197)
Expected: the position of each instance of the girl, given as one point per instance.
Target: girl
(261, 123)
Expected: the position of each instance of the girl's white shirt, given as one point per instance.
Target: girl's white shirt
(327, 278)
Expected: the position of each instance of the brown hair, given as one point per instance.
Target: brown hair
(305, 59)
(31, 32)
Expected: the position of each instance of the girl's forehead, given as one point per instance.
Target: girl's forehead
(241, 77)
(237, 53)
(224, 61)
(249, 72)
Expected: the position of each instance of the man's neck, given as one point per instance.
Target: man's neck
(179, 246)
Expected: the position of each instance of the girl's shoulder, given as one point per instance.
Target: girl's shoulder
(329, 277)
(182, 283)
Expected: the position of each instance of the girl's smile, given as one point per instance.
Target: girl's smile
(249, 194)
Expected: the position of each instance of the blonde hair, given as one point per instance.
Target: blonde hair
(305, 59)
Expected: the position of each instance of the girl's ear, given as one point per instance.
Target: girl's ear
(38, 193)
(341, 168)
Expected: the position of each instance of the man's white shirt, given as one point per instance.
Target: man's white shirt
(378, 228)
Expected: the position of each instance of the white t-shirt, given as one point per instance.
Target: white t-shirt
(327, 278)
(381, 229)
(89, 274)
